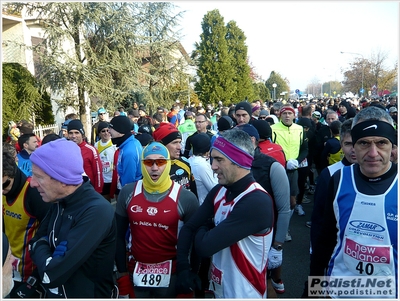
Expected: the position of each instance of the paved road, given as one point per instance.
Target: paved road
(296, 258)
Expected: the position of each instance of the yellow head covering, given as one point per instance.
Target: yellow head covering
(164, 182)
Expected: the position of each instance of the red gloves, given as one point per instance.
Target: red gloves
(125, 287)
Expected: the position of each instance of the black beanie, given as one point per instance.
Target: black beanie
(121, 124)
(201, 143)
(102, 125)
(345, 104)
(145, 128)
(263, 128)
(225, 123)
(6, 245)
(76, 124)
(305, 122)
(144, 138)
(243, 106)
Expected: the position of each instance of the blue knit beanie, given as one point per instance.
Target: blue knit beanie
(61, 159)
(249, 129)
(155, 148)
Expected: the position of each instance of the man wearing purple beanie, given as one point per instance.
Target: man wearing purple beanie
(74, 247)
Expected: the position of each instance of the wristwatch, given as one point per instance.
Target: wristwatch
(277, 247)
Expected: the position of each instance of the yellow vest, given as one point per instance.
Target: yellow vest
(333, 158)
(289, 138)
(20, 228)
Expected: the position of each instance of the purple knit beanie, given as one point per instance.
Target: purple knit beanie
(61, 159)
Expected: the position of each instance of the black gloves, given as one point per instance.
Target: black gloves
(187, 282)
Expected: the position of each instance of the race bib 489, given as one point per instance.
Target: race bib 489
(152, 274)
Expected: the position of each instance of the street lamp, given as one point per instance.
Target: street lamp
(362, 75)
(188, 82)
(274, 85)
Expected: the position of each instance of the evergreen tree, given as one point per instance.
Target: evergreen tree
(215, 69)
(114, 49)
(281, 84)
(166, 70)
(241, 76)
(23, 98)
(261, 91)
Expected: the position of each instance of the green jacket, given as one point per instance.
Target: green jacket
(291, 139)
(186, 129)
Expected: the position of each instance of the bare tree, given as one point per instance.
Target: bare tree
(371, 72)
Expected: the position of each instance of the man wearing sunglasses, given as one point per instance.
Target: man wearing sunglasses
(101, 113)
(154, 209)
(263, 114)
(23, 210)
(106, 150)
(233, 225)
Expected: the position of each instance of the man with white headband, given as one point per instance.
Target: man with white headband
(233, 225)
(358, 238)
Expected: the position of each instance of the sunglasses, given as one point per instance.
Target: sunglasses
(6, 183)
(265, 117)
(158, 162)
(104, 131)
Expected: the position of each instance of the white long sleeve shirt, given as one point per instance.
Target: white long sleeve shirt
(204, 176)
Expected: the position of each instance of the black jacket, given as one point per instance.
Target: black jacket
(85, 220)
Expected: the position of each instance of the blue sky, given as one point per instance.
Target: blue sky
(302, 40)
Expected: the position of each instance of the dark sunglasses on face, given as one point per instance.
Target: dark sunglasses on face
(158, 162)
(264, 117)
(6, 183)
(104, 131)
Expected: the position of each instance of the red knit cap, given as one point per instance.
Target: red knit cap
(287, 108)
(166, 133)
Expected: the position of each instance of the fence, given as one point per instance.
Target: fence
(43, 130)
